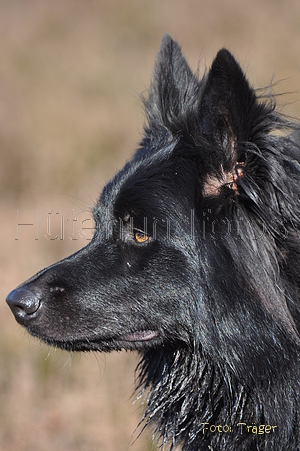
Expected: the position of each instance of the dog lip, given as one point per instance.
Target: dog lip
(144, 335)
(127, 341)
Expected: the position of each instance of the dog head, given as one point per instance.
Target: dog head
(194, 237)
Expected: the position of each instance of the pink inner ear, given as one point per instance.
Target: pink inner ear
(213, 184)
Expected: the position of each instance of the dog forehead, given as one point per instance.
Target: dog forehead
(145, 165)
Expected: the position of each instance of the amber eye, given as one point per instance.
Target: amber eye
(141, 237)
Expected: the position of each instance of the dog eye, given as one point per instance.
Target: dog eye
(141, 237)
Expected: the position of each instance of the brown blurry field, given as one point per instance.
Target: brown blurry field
(70, 76)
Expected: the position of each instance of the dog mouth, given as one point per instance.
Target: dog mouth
(137, 340)
(144, 335)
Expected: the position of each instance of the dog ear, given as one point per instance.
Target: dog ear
(228, 117)
(227, 102)
(173, 89)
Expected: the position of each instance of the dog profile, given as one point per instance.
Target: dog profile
(195, 264)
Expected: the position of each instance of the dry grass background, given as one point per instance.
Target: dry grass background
(70, 76)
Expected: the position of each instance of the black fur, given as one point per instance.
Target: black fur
(195, 264)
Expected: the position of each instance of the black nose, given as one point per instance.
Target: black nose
(24, 304)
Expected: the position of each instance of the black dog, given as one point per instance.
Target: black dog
(195, 264)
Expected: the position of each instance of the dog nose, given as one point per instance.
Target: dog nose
(24, 304)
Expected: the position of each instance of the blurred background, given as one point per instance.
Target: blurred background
(71, 72)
